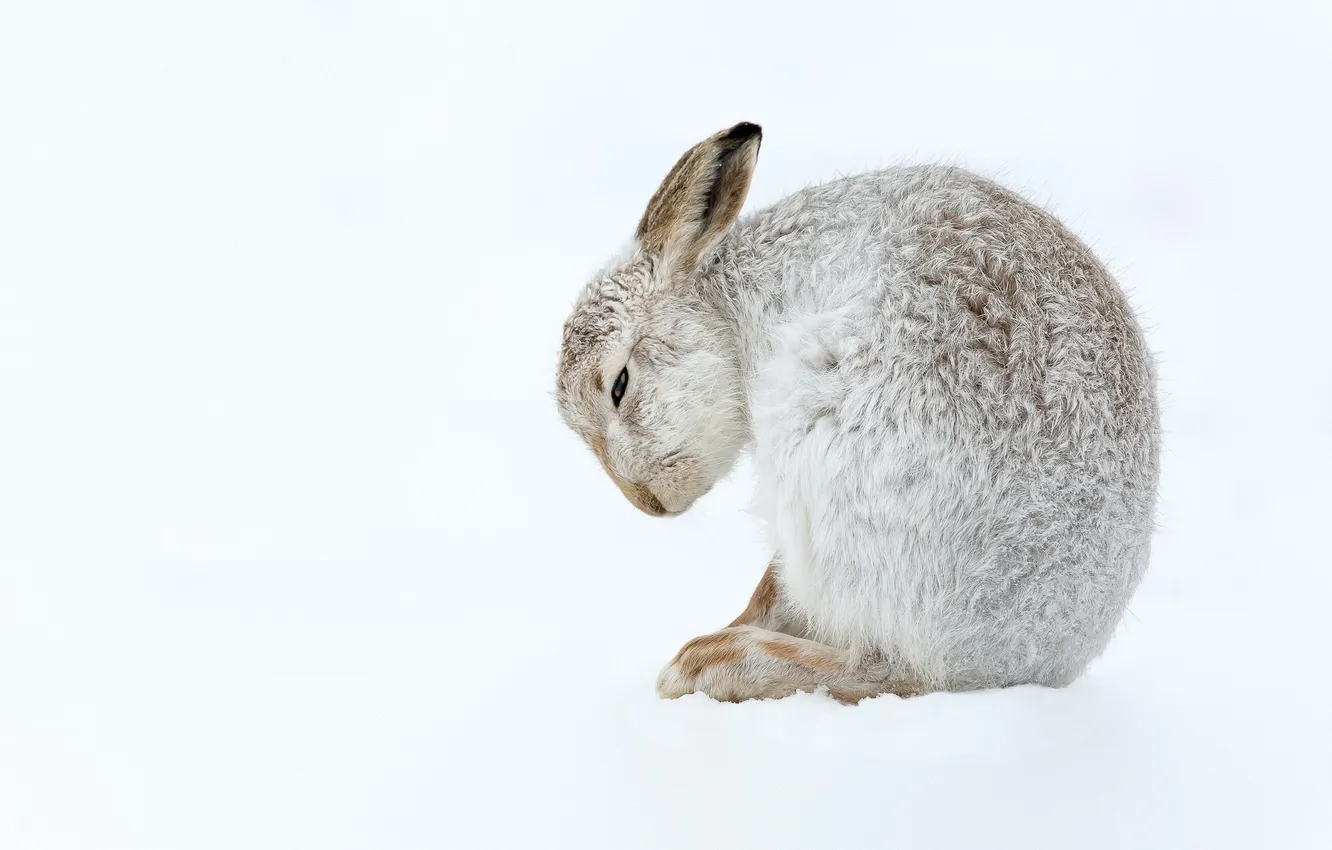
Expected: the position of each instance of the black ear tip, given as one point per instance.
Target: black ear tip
(743, 132)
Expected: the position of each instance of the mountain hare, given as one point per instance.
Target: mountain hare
(952, 412)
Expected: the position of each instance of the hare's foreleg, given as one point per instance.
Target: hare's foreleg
(747, 662)
(765, 606)
(762, 655)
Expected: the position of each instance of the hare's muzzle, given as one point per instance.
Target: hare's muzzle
(641, 497)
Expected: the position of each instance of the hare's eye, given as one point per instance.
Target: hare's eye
(621, 384)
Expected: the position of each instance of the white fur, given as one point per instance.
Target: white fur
(951, 406)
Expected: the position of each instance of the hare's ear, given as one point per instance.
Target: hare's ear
(701, 198)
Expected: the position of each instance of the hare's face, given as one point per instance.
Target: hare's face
(649, 374)
(651, 381)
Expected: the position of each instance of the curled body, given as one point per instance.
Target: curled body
(950, 403)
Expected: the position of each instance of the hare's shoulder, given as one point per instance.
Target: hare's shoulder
(827, 373)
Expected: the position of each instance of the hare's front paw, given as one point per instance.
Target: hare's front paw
(712, 664)
(747, 662)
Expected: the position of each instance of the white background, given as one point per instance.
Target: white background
(295, 553)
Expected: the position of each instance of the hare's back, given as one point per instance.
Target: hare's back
(960, 300)
(965, 402)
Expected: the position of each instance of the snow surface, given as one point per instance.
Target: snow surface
(295, 553)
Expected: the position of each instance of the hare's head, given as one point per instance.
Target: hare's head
(649, 373)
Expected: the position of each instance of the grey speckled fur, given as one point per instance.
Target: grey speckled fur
(951, 406)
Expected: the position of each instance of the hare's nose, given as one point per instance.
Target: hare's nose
(638, 495)
(650, 503)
